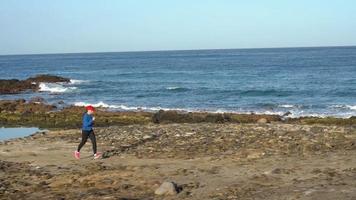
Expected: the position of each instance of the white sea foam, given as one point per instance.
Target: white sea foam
(100, 104)
(76, 82)
(220, 111)
(337, 106)
(286, 106)
(54, 88)
(302, 113)
(269, 112)
(123, 107)
(293, 114)
(351, 107)
(173, 88)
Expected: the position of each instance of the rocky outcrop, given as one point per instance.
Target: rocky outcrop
(48, 79)
(15, 86)
(37, 113)
(22, 107)
(172, 116)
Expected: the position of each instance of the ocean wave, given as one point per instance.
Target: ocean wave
(177, 89)
(267, 92)
(286, 106)
(54, 88)
(351, 107)
(123, 107)
(172, 88)
(293, 113)
(155, 109)
(77, 82)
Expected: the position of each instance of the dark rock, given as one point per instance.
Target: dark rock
(37, 100)
(172, 116)
(15, 86)
(48, 79)
(286, 114)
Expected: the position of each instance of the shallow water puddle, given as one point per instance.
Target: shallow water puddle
(11, 133)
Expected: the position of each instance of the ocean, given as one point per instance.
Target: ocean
(302, 81)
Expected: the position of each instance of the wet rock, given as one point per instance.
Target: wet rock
(15, 86)
(172, 116)
(286, 114)
(37, 100)
(167, 188)
(19, 112)
(47, 79)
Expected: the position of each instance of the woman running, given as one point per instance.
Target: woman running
(88, 132)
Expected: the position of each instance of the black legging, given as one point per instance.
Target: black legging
(85, 135)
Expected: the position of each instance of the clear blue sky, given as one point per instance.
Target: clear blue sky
(56, 26)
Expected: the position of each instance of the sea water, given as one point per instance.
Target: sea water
(302, 81)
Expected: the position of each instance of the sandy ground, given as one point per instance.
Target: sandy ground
(207, 161)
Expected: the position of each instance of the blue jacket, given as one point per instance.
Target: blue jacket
(87, 122)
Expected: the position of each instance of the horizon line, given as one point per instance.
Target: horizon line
(164, 50)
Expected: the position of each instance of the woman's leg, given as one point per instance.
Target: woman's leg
(93, 140)
(84, 140)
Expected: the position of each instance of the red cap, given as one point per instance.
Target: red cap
(90, 108)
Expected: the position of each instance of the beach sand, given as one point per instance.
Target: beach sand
(205, 160)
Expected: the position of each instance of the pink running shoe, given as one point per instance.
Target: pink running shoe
(77, 154)
(97, 155)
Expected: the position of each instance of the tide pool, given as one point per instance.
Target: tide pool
(11, 133)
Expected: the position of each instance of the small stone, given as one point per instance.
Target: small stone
(146, 137)
(189, 133)
(262, 121)
(167, 188)
(255, 155)
(277, 171)
(328, 145)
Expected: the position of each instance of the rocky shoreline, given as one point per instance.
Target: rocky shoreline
(175, 155)
(37, 113)
(204, 161)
